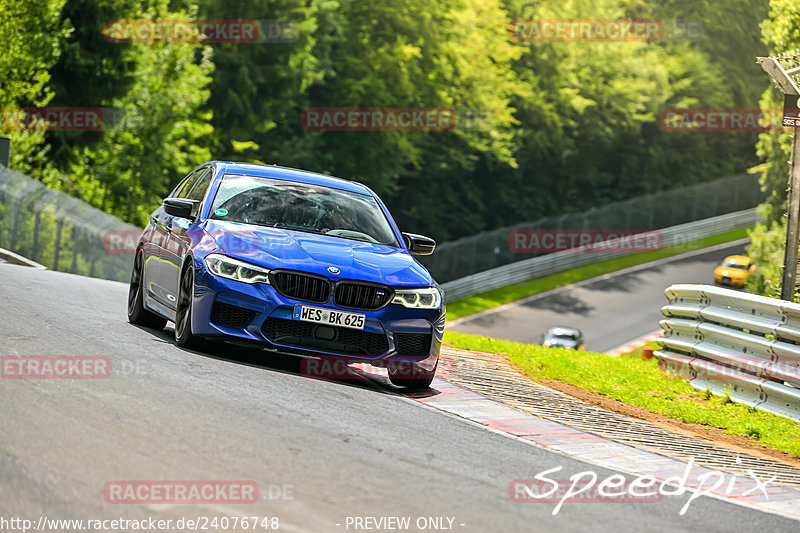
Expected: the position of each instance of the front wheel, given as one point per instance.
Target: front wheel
(410, 377)
(183, 316)
(137, 314)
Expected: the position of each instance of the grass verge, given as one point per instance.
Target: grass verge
(641, 383)
(511, 293)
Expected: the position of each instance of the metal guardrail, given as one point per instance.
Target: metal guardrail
(575, 257)
(489, 249)
(59, 231)
(734, 343)
(67, 234)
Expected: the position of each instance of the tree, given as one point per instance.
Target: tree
(781, 32)
(164, 134)
(30, 33)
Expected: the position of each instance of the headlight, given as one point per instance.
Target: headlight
(228, 267)
(418, 298)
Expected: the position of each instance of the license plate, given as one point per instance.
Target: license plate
(727, 281)
(330, 317)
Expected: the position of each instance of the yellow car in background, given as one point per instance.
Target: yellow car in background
(733, 271)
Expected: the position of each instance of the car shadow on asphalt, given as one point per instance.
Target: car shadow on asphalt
(561, 302)
(364, 377)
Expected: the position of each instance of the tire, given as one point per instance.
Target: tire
(410, 378)
(183, 314)
(137, 314)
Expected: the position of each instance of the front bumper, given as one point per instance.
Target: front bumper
(729, 281)
(258, 313)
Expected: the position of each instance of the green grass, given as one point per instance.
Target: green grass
(638, 382)
(637, 353)
(511, 293)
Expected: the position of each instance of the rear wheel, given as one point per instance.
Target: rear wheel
(137, 314)
(410, 377)
(183, 317)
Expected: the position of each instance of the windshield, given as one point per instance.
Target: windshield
(562, 336)
(730, 264)
(301, 207)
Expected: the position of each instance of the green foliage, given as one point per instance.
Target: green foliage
(30, 34)
(781, 32)
(163, 134)
(560, 126)
(766, 251)
(90, 71)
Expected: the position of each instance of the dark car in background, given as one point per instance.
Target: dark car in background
(563, 337)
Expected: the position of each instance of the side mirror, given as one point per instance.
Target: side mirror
(419, 244)
(179, 207)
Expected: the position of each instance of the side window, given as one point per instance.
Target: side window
(189, 183)
(201, 184)
(181, 186)
(199, 188)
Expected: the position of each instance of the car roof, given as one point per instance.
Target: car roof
(737, 259)
(291, 174)
(561, 330)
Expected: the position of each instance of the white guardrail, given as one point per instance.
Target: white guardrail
(734, 343)
(564, 260)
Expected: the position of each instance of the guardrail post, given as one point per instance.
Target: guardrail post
(5, 150)
(37, 217)
(57, 246)
(792, 225)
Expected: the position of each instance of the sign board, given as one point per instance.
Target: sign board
(791, 110)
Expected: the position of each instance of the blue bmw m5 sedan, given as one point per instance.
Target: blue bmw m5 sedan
(297, 262)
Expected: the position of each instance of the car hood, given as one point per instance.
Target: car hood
(277, 248)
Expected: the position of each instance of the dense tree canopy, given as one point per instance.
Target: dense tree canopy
(541, 128)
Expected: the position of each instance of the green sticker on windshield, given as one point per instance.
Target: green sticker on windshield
(221, 212)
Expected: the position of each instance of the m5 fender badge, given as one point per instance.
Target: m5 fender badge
(333, 270)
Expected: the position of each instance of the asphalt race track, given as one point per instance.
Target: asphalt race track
(610, 310)
(320, 451)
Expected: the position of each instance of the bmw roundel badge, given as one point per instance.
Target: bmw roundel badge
(333, 270)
